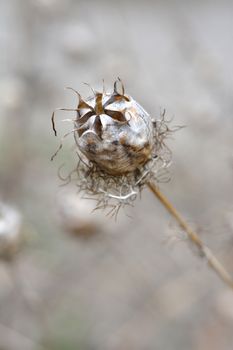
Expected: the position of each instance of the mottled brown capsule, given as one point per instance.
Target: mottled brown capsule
(114, 131)
(119, 146)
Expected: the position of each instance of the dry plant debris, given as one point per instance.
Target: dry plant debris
(121, 149)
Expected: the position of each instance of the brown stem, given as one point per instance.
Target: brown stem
(213, 262)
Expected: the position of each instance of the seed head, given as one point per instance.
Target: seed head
(114, 132)
(120, 147)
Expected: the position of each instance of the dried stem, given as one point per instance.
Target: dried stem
(213, 262)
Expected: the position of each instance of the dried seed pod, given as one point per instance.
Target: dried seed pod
(114, 132)
(119, 145)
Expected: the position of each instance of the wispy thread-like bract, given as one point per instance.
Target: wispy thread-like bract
(119, 146)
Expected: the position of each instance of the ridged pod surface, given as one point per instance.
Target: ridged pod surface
(114, 131)
(119, 146)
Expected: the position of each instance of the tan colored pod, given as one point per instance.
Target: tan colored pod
(114, 131)
(119, 147)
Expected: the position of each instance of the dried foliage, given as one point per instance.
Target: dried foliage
(121, 149)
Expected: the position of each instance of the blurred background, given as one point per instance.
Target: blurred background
(73, 280)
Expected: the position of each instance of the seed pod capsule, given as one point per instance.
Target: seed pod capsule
(114, 131)
(120, 147)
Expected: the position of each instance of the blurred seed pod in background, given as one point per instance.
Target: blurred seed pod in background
(74, 215)
(11, 236)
